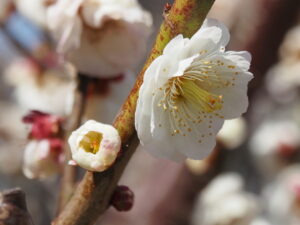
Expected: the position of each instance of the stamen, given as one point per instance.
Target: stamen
(91, 142)
(188, 101)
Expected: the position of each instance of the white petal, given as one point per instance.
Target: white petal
(143, 110)
(225, 32)
(200, 142)
(211, 37)
(242, 59)
(233, 83)
(160, 149)
(175, 44)
(235, 98)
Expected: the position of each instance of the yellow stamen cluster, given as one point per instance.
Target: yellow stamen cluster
(91, 142)
(189, 99)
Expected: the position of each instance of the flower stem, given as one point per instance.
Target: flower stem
(68, 179)
(93, 194)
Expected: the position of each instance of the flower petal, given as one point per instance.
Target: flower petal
(211, 37)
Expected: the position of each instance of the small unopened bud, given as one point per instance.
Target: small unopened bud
(122, 198)
(95, 146)
(43, 125)
(42, 158)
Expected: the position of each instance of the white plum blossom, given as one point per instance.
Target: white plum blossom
(41, 160)
(101, 37)
(95, 146)
(283, 81)
(290, 47)
(260, 221)
(225, 202)
(272, 143)
(282, 197)
(48, 90)
(233, 133)
(189, 91)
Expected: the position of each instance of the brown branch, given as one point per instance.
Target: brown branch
(13, 209)
(92, 197)
(69, 172)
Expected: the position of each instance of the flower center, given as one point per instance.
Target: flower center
(188, 99)
(91, 142)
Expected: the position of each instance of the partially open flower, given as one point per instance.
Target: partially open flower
(49, 90)
(43, 154)
(95, 146)
(282, 197)
(274, 145)
(102, 38)
(42, 158)
(188, 91)
(225, 202)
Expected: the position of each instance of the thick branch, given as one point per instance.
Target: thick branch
(94, 192)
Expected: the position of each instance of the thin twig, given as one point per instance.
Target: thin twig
(69, 172)
(92, 196)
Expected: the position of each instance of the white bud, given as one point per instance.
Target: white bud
(40, 160)
(233, 133)
(95, 146)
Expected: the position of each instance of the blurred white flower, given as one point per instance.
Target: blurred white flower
(283, 197)
(290, 48)
(95, 146)
(260, 221)
(34, 10)
(42, 158)
(101, 37)
(283, 81)
(272, 143)
(224, 202)
(49, 91)
(233, 133)
(188, 91)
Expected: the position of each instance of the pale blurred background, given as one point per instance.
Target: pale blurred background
(260, 150)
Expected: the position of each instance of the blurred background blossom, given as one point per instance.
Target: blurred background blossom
(256, 163)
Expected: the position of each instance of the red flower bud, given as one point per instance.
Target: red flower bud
(122, 198)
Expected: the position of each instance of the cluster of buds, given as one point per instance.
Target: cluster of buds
(44, 151)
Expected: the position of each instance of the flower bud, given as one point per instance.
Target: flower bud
(43, 125)
(122, 198)
(42, 158)
(95, 146)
